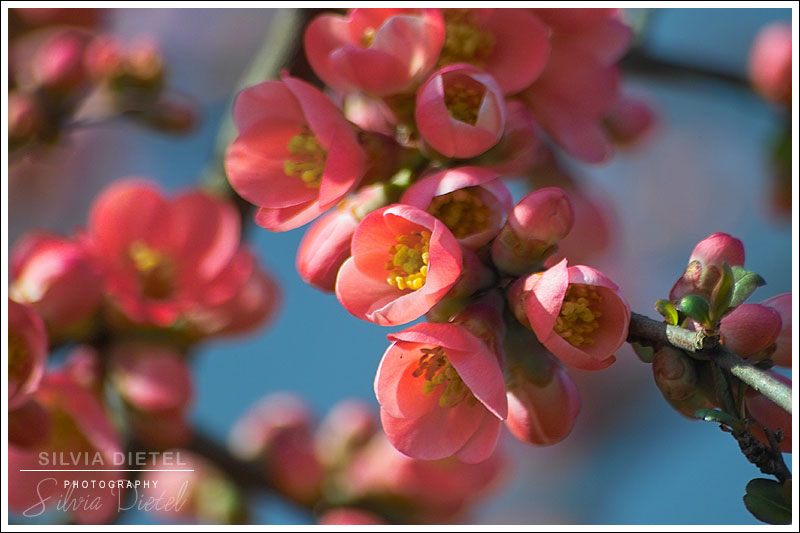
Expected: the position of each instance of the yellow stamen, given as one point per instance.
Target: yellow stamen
(156, 271)
(464, 41)
(367, 37)
(463, 102)
(462, 211)
(578, 319)
(308, 162)
(438, 370)
(408, 261)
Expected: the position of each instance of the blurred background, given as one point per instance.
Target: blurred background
(631, 459)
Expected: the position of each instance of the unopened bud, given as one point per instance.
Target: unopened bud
(674, 373)
(58, 65)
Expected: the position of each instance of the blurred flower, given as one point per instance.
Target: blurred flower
(750, 329)
(471, 201)
(705, 264)
(532, 231)
(295, 155)
(25, 118)
(150, 377)
(27, 353)
(347, 426)
(377, 51)
(771, 62)
(766, 413)
(56, 277)
(782, 303)
(512, 45)
(441, 393)
(460, 111)
(58, 65)
(404, 261)
(576, 312)
(347, 516)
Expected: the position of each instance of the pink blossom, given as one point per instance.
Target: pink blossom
(512, 45)
(518, 149)
(58, 64)
(377, 51)
(441, 393)
(471, 201)
(541, 412)
(460, 111)
(771, 62)
(345, 428)
(56, 277)
(325, 247)
(782, 303)
(576, 312)
(151, 377)
(403, 262)
(705, 264)
(766, 413)
(27, 353)
(750, 329)
(295, 155)
(533, 229)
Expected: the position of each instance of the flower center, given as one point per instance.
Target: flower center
(577, 320)
(462, 211)
(308, 159)
(156, 271)
(437, 370)
(18, 357)
(367, 37)
(408, 263)
(463, 102)
(464, 41)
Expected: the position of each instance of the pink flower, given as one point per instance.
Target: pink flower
(151, 377)
(771, 62)
(471, 201)
(295, 155)
(766, 413)
(750, 329)
(56, 277)
(576, 312)
(349, 516)
(705, 264)
(325, 247)
(782, 303)
(629, 121)
(518, 149)
(27, 353)
(163, 257)
(510, 44)
(533, 229)
(80, 429)
(460, 111)
(541, 412)
(441, 393)
(403, 262)
(58, 64)
(377, 51)
(345, 428)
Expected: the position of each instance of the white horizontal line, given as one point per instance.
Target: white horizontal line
(102, 470)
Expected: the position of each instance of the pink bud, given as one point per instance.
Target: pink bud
(151, 377)
(58, 64)
(749, 329)
(766, 413)
(346, 427)
(782, 303)
(705, 264)
(771, 62)
(460, 111)
(103, 57)
(630, 121)
(57, 278)
(27, 353)
(541, 413)
(532, 230)
(348, 516)
(325, 247)
(24, 117)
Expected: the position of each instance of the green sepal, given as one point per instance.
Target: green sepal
(645, 353)
(668, 311)
(745, 282)
(696, 307)
(722, 293)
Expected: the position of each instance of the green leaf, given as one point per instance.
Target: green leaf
(768, 501)
(745, 282)
(718, 417)
(696, 307)
(668, 311)
(722, 293)
(645, 353)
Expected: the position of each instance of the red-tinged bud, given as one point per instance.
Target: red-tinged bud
(346, 427)
(766, 413)
(325, 246)
(750, 329)
(58, 64)
(542, 405)
(144, 63)
(24, 118)
(349, 516)
(782, 303)
(630, 121)
(674, 374)
(103, 57)
(28, 425)
(532, 230)
(771, 62)
(705, 264)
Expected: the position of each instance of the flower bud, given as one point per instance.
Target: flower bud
(532, 230)
(27, 353)
(749, 329)
(771, 62)
(346, 427)
(782, 303)
(325, 246)
(766, 413)
(460, 111)
(102, 57)
(705, 264)
(674, 373)
(151, 377)
(24, 118)
(58, 64)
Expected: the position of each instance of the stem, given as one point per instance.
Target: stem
(647, 331)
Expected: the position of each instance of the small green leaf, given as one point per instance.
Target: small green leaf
(645, 353)
(722, 294)
(718, 417)
(668, 311)
(696, 307)
(767, 500)
(745, 282)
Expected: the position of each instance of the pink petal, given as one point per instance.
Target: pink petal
(482, 443)
(267, 101)
(397, 390)
(521, 48)
(287, 218)
(782, 303)
(543, 303)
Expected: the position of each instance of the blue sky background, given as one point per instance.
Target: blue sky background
(631, 459)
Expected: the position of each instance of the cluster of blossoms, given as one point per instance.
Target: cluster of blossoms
(64, 71)
(427, 111)
(343, 468)
(710, 297)
(128, 296)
